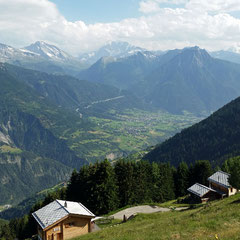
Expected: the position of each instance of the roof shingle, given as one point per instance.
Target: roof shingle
(199, 189)
(57, 210)
(220, 178)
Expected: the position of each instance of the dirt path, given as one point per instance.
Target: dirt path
(139, 209)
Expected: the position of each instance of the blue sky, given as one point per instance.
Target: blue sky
(79, 26)
(92, 11)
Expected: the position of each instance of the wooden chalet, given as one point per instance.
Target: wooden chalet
(219, 187)
(219, 182)
(201, 193)
(62, 220)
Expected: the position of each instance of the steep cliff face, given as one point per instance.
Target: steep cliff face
(23, 174)
(24, 131)
(31, 157)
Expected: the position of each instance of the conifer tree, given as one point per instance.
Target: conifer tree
(142, 182)
(182, 179)
(155, 182)
(124, 172)
(232, 166)
(165, 183)
(201, 171)
(105, 188)
(72, 188)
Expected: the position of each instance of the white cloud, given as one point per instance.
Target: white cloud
(202, 22)
(149, 6)
(214, 5)
(152, 6)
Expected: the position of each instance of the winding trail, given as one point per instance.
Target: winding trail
(105, 100)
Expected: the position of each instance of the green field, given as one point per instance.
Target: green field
(9, 149)
(215, 220)
(125, 133)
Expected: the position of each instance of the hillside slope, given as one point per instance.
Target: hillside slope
(214, 139)
(32, 157)
(191, 81)
(216, 220)
(122, 73)
(72, 93)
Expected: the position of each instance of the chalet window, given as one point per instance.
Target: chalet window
(68, 225)
(56, 229)
(231, 189)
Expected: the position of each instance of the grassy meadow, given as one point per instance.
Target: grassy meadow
(214, 220)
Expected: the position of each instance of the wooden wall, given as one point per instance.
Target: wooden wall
(75, 226)
(218, 187)
(228, 191)
(54, 233)
(68, 228)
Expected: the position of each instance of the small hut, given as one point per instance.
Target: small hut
(219, 182)
(62, 220)
(201, 193)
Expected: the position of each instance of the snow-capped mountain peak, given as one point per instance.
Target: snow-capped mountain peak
(48, 51)
(112, 49)
(8, 53)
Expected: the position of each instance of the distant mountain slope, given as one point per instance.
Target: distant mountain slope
(123, 73)
(177, 81)
(10, 54)
(112, 49)
(192, 81)
(25, 173)
(43, 57)
(31, 156)
(226, 55)
(48, 51)
(71, 93)
(214, 139)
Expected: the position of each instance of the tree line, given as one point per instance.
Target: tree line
(104, 187)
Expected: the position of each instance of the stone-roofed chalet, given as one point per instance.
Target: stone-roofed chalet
(201, 193)
(62, 220)
(219, 187)
(219, 182)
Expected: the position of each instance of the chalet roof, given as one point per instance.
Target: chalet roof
(59, 209)
(199, 189)
(220, 178)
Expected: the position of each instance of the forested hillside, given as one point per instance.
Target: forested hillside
(31, 156)
(213, 139)
(69, 92)
(103, 187)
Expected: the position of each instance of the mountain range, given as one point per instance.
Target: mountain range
(177, 81)
(41, 116)
(44, 113)
(226, 55)
(43, 57)
(112, 49)
(71, 93)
